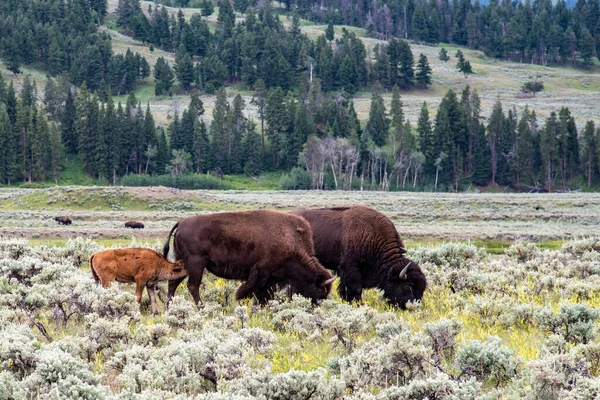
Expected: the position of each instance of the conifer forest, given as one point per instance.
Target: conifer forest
(283, 101)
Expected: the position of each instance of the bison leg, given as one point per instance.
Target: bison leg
(173, 285)
(256, 280)
(139, 290)
(152, 295)
(265, 293)
(195, 267)
(350, 288)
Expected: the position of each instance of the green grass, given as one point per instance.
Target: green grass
(106, 242)
(492, 246)
(143, 92)
(265, 181)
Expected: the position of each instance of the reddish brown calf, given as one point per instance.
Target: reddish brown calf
(145, 267)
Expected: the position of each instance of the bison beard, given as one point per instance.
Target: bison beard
(263, 248)
(364, 247)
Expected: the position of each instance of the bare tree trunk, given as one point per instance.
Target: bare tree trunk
(334, 175)
(362, 179)
(406, 174)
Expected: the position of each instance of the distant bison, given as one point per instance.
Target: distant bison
(364, 247)
(263, 248)
(134, 225)
(63, 220)
(145, 267)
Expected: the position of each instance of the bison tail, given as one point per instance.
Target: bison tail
(167, 244)
(94, 274)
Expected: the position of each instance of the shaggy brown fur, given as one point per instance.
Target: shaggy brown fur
(364, 247)
(134, 225)
(263, 248)
(145, 267)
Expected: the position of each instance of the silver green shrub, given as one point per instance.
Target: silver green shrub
(489, 360)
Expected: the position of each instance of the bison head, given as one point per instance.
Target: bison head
(175, 270)
(405, 282)
(315, 289)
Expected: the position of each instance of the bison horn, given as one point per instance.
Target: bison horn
(403, 275)
(328, 281)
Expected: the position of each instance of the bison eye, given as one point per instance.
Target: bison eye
(176, 269)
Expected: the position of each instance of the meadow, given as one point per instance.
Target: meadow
(511, 309)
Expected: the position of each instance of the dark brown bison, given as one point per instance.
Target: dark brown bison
(134, 225)
(363, 246)
(263, 248)
(145, 267)
(63, 220)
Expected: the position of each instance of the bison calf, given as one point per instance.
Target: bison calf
(263, 248)
(134, 225)
(63, 220)
(145, 267)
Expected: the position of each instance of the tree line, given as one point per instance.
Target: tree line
(537, 32)
(314, 138)
(62, 36)
(260, 48)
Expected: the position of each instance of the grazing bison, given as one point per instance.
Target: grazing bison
(134, 225)
(63, 220)
(364, 247)
(145, 267)
(263, 248)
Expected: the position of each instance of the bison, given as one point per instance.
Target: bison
(263, 248)
(145, 267)
(364, 247)
(134, 225)
(63, 220)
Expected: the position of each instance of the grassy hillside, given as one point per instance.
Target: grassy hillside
(574, 88)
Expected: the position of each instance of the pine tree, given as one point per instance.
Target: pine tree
(397, 123)
(163, 77)
(423, 76)
(225, 19)
(329, 33)
(586, 48)
(444, 55)
(69, 134)
(426, 139)
(260, 100)
(481, 159)
(347, 78)
(86, 128)
(378, 124)
(277, 122)
(56, 152)
(494, 137)
(463, 65)
(548, 150)
(11, 103)
(184, 68)
(420, 27)
(303, 128)
(252, 157)
(8, 143)
(207, 8)
(590, 152)
(200, 148)
(163, 152)
(220, 131)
